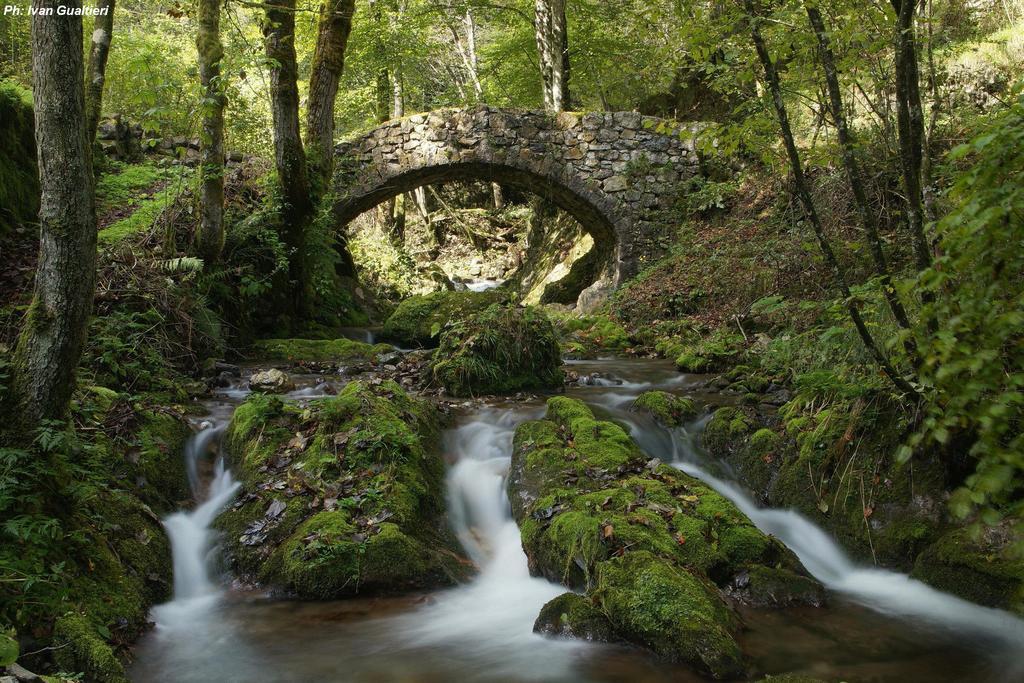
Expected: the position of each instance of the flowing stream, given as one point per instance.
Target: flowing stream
(879, 626)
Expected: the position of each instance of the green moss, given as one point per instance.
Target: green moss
(982, 569)
(146, 214)
(334, 350)
(672, 612)
(725, 427)
(709, 354)
(419, 320)
(503, 349)
(80, 648)
(668, 409)
(159, 472)
(773, 587)
(127, 184)
(573, 616)
(368, 513)
(19, 176)
(589, 336)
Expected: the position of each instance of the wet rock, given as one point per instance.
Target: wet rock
(501, 350)
(654, 549)
(340, 497)
(667, 409)
(272, 381)
(572, 615)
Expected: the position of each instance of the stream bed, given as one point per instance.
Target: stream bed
(878, 626)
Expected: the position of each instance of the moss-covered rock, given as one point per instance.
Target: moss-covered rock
(586, 496)
(319, 350)
(676, 614)
(709, 354)
(572, 615)
(341, 497)
(501, 350)
(419, 320)
(667, 409)
(80, 649)
(978, 566)
(590, 336)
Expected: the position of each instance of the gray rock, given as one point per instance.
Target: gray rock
(272, 381)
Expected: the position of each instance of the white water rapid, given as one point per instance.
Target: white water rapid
(884, 591)
(490, 619)
(192, 539)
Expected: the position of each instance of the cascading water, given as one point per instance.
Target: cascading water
(491, 618)
(884, 591)
(482, 630)
(191, 536)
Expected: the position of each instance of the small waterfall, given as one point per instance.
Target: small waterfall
(884, 591)
(189, 530)
(490, 619)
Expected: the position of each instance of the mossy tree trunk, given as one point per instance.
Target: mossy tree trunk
(289, 155)
(328, 63)
(211, 230)
(54, 331)
(102, 34)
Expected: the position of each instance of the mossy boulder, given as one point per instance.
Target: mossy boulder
(318, 350)
(342, 497)
(667, 409)
(590, 336)
(709, 354)
(419, 320)
(127, 571)
(572, 615)
(976, 564)
(585, 496)
(678, 615)
(503, 349)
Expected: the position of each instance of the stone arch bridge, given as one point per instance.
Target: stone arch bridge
(619, 174)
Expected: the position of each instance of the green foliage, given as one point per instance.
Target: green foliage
(974, 364)
(298, 350)
(126, 184)
(19, 184)
(503, 349)
(151, 212)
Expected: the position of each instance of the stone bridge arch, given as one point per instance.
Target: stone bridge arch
(618, 173)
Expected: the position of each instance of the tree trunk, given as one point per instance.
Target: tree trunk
(804, 195)
(54, 332)
(328, 62)
(102, 33)
(848, 146)
(910, 125)
(553, 52)
(289, 156)
(211, 153)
